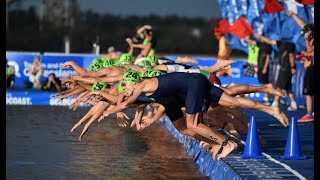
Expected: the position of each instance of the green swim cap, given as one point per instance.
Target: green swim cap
(90, 67)
(120, 88)
(153, 60)
(126, 59)
(205, 73)
(96, 60)
(100, 86)
(131, 76)
(96, 66)
(109, 62)
(151, 73)
(145, 64)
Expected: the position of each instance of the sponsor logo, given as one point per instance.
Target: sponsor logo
(64, 102)
(10, 100)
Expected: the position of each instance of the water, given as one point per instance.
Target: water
(39, 145)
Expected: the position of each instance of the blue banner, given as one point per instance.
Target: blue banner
(50, 63)
(277, 26)
(35, 97)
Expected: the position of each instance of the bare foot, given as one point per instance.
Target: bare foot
(224, 63)
(227, 149)
(191, 60)
(227, 70)
(186, 60)
(205, 145)
(275, 91)
(214, 150)
(280, 116)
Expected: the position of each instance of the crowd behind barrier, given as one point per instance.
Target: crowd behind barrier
(51, 63)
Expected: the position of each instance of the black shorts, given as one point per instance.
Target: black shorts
(308, 83)
(172, 105)
(263, 78)
(214, 95)
(284, 80)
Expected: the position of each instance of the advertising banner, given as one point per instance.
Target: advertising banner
(51, 64)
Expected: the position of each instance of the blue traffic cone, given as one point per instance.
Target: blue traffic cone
(293, 147)
(252, 148)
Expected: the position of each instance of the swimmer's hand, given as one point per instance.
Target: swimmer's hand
(122, 119)
(136, 123)
(67, 64)
(56, 94)
(75, 126)
(147, 121)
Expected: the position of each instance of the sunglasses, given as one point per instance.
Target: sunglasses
(309, 37)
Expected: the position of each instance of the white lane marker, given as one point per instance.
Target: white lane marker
(296, 173)
(285, 166)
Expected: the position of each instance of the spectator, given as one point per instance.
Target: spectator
(10, 71)
(52, 83)
(287, 69)
(264, 56)
(35, 71)
(308, 55)
(149, 41)
(224, 48)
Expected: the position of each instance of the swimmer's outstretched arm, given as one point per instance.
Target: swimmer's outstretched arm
(94, 110)
(109, 97)
(88, 80)
(75, 91)
(84, 72)
(124, 105)
(134, 67)
(101, 107)
(76, 102)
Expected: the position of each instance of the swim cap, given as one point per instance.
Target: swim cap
(131, 76)
(100, 86)
(96, 66)
(145, 64)
(109, 62)
(126, 59)
(96, 60)
(151, 73)
(153, 60)
(120, 88)
(205, 73)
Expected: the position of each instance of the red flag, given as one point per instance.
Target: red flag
(223, 27)
(272, 6)
(241, 28)
(305, 2)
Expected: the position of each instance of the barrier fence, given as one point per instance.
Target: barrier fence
(51, 63)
